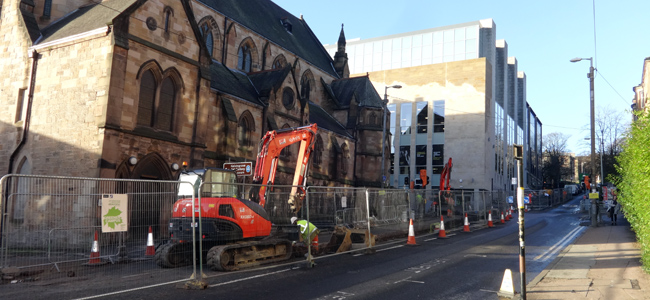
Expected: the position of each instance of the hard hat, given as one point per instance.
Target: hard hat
(293, 220)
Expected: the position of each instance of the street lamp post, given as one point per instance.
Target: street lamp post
(590, 75)
(383, 132)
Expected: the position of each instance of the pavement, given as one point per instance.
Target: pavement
(603, 263)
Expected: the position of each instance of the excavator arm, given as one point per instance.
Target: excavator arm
(267, 161)
(444, 176)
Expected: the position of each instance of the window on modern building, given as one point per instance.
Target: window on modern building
(146, 99)
(437, 158)
(165, 110)
(439, 116)
(244, 60)
(20, 105)
(318, 152)
(422, 116)
(406, 117)
(245, 131)
(288, 98)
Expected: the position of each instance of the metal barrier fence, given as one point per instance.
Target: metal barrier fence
(62, 226)
(56, 226)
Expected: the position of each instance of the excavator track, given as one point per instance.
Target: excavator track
(174, 255)
(241, 255)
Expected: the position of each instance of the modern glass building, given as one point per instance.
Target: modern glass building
(462, 97)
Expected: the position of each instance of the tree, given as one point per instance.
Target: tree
(555, 161)
(611, 126)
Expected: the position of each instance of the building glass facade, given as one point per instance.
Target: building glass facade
(414, 49)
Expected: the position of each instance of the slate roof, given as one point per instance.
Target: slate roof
(85, 19)
(233, 83)
(267, 81)
(325, 120)
(264, 17)
(361, 87)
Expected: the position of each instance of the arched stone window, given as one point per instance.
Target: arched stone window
(318, 152)
(305, 84)
(165, 110)
(147, 98)
(158, 95)
(372, 120)
(169, 13)
(343, 161)
(279, 62)
(288, 98)
(244, 58)
(210, 33)
(207, 37)
(245, 130)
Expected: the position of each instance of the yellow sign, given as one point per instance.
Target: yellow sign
(593, 195)
(114, 212)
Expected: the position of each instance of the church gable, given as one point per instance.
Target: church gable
(168, 26)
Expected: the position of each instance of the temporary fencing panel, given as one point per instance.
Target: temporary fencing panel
(62, 226)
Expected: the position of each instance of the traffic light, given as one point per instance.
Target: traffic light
(406, 181)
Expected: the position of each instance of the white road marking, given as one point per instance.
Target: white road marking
(248, 278)
(381, 250)
(478, 255)
(560, 244)
(408, 279)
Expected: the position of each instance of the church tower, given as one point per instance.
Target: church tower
(341, 58)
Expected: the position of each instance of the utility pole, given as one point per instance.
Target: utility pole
(519, 157)
(594, 202)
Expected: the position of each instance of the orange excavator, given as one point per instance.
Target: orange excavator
(445, 188)
(236, 232)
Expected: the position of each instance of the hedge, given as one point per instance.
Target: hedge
(633, 185)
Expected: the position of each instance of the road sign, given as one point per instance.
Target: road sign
(510, 199)
(240, 168)
(526, 200)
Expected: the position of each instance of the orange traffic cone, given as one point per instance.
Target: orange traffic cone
(314, 243)
(94, 252)
(507, 215)
(510, 214)
(490, 224)
(466, 227)
(150, 248)
(441, 233)
(411, 239)
(503, 221)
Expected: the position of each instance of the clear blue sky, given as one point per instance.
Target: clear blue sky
(542, 35)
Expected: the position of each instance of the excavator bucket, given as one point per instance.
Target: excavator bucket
(345, 239)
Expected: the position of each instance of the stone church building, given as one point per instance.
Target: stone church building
(89, 85)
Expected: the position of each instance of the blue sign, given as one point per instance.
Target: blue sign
(510, 199)
(526, 200)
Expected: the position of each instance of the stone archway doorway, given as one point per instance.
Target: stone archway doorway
(150, 202)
